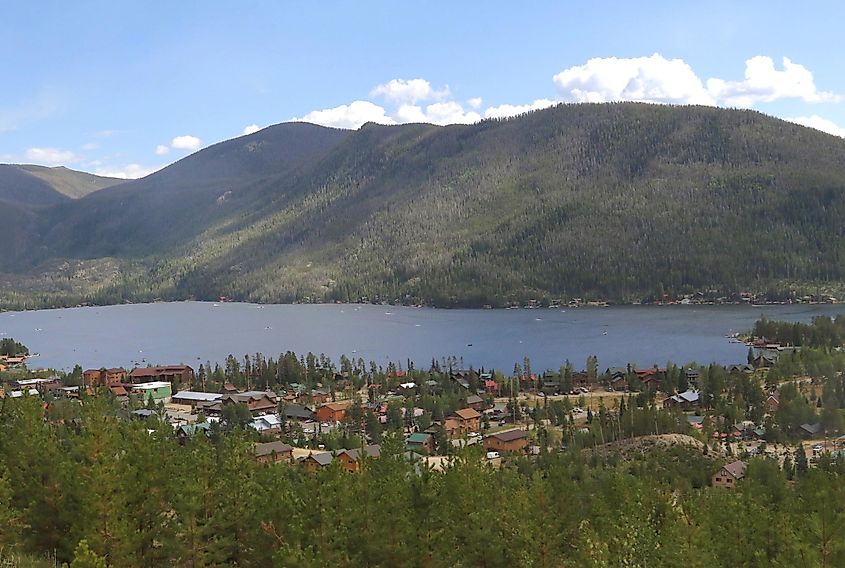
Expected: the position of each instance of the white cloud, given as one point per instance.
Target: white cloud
(503, 111)
(129, 171)
(475, 102)
(401, 91)
(764, 84)
(352, 115)
(162, 149)
(652, 79)
(251, 129)
(819, 123)
(437, 113)
(51, 156)
(186, 142)
(90, 146)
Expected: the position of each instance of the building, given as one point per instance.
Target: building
(685, 401)
(156, 390)
(268, 424)
(811, 430)
(350, 460)
(475, 402)
(772, 402)
(103, 377)
(194, 398)
(729, 475)
(510, 441)
(469, 420)
(420, 442)
(273, 452)
(331, 412)
(315, 461)
(297, 412)
(182, 374)
(258, 402)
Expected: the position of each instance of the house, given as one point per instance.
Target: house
(811, 430)
(420, 442)
(315, 461)
(452, 427)
(194, 398)
(618, 382)
(469, 420)
(273, 452)
(268, 424)
(772, 402)
(297, 412)
(187, 431)
(475, 402)
(580, 379)
(729, 475)
(156, 390)
(350, 460)
(510, 441)
(692, 375)
(229, 388)
(491, 386)
(258, 402)
(740, 369)
(332, 412)
(181, 374)
(765, 359)
(685, 400)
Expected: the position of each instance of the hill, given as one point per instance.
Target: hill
(618, 201)
(38, 186)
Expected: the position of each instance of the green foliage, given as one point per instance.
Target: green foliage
(12, 348)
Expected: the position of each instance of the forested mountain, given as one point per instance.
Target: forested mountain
(618, 201)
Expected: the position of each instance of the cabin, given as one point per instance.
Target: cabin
(297, 412)
(258, 402)
(686, 400)
(273, 452)
(811, 430)
(181, 374)
(772, 402)
(269, 424)
(729, 475)
(475, 402)
(350, 460)
(765, 359)
(187, 431)
(510, 441)
(316, 461)
(420, 442)
(332, 412)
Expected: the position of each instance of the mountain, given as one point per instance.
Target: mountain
(37, 186)
(619, 201)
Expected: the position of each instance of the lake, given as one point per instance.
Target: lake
(192, 332)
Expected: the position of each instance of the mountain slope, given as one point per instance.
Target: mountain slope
(162, 210)
(37, 186)
(69, 182)
(620, 201)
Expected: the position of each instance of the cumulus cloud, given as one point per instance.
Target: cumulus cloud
(411, 91)
(129, 171)
(506, 110)
(162, 149)
(475, 102)
(352, 115)
(819, 123)
(51, 156)
(186, 142)
(764, 83)
(251, 129)
(652, 79)
(437, 113)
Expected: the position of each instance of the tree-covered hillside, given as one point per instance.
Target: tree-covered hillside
(616, 201)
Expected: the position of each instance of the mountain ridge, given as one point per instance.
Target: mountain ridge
(622, 201)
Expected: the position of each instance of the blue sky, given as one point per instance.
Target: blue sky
(124, 88)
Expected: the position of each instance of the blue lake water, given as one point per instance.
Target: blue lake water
(190, 332)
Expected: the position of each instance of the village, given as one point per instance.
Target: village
(336, 416)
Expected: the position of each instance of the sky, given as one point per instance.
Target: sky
(126, 88)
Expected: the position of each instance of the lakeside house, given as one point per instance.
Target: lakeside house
(686, 400)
